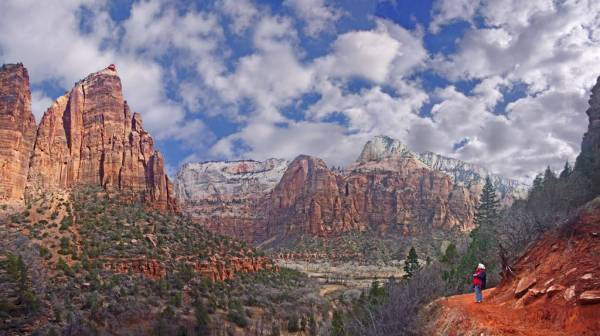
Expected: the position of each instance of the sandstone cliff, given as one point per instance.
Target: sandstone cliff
(395, 194)
(229, 197)
(90, 136)
(462, 172)
(17, 131)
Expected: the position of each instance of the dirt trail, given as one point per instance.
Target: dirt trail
(490, 318)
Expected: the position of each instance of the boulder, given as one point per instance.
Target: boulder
(554, 288)
(569, 293)
(589, 297)
(523, 285)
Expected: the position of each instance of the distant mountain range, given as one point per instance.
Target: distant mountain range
(388, 189)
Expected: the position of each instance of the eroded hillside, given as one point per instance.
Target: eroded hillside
(95, 262)
(555, 288)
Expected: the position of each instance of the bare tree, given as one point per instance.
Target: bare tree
(399, 314)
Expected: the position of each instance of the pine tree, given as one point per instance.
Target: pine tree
(566, 172)
(411, 264)
(538, 183)
(481, 246)
(549, 177)
(487, 210)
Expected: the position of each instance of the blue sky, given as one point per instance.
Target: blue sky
(500, 83)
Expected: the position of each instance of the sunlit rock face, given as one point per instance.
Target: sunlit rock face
(17, 131)
(386, 194)
(90, 135)
(229, 198)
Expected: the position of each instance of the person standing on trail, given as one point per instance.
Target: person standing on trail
(479, 282)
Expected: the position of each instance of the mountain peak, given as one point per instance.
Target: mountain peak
(381, 147)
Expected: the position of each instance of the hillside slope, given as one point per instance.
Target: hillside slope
(555, 289)
(95, 263)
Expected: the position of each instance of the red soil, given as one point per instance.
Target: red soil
(560, 266)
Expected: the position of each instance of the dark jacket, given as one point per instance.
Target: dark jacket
(479, 278)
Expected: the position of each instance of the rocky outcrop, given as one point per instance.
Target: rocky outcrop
(17, 131)
(149, 268)
(589, 157)
(214, 268)
(91, 136)
(554, 289)
(221, 270)
(388, 189)
(229, 197)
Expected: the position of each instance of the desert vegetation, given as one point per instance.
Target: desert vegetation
(54, 269)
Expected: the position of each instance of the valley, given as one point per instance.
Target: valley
(95, 239)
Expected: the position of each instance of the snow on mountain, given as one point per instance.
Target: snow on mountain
(227, 179)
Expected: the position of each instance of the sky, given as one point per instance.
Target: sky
(501, 83)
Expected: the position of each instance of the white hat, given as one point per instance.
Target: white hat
(482, 266)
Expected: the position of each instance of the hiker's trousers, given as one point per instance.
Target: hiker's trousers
(478, 295)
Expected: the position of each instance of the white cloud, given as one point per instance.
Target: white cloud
(362, 53)
(266, 140)
(40, 102)
(271, 76)
(45, 37)
(448, 11)
(54, 47)
(552, 49)
(242, 13)
(318, 15)
(374, 54)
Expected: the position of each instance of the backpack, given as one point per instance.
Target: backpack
(482, 277)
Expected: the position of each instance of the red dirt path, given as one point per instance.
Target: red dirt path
(498, 319)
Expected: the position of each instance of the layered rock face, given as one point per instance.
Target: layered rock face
(394, 193)
(17, 131)
(229, 197)
(462, 172)
(91, 136)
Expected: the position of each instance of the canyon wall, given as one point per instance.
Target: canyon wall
(396, 194)
(229, 197)
(17, 131)
(388, 190)
(87, 136)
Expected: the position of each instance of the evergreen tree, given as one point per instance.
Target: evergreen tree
(566, 172)
(538, 183)
(411, 263)
(481, 245)
(549, 177)
(487, 210)
(337, 324)
(451, 254)
(483, 236)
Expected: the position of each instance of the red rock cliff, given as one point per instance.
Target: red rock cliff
(394, 194)
(17, 131)
(90, 135)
